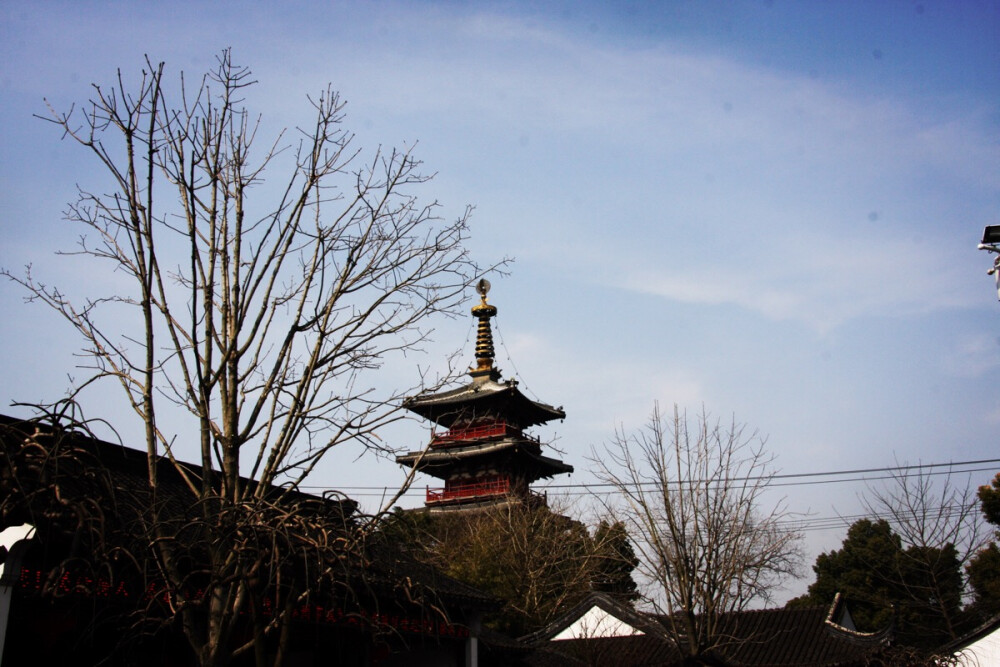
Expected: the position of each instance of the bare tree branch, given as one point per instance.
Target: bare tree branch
(263, 320)
(692, 495)
(941, 529)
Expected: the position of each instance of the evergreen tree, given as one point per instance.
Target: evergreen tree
(989, 498)
(616, 562)
(984, 579)
(857, 571)
(918, 589)
(984, 569)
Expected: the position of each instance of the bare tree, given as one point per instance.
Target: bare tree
(534, 558)
(261, 319)
(692, 496)
(941, 529)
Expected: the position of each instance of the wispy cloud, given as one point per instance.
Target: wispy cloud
(822, 283)
(732, 184)
(973, 356)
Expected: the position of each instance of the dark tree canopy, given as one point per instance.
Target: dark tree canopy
(984, 580)
(989, 497)
(536, 561)
(983, 570)
(884, 583)
(856, 572)
(617, 560)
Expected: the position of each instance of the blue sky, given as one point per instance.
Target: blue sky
(767, 208)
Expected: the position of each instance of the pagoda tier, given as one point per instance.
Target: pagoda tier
(479, 400)
(518, 456)
(484, 457)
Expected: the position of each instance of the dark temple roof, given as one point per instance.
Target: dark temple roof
(783, 637)
(524, 456)
(987, 628)
(484, 396)
(106, 472)
(796, 636)
(109, 481)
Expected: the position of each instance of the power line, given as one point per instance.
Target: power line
(841, 476)
(827, 473)
(587, 489)
(805, 523)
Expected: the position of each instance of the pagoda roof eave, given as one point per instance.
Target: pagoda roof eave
(446, 407)
(428, 461)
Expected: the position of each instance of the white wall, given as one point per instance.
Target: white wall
(597, 623)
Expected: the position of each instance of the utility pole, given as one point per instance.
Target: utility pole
(991, 243)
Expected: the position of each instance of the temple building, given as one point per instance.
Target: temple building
(483, 455)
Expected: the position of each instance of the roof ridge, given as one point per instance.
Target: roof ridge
(839, 601)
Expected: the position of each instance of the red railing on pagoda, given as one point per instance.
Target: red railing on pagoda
(458, 436)
(495, 486)
(490, 430)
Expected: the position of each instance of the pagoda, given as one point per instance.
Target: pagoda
(483, 455)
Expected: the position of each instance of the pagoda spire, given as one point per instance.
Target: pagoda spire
(484, 456)
(484, 369)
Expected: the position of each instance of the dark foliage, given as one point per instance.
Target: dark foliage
(983, 570)
(884, 583)
(617, 561)
(536, 561)
(984, 579)
(989, 498)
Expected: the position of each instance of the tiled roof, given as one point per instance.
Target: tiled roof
(795, 636)
(114, 478)
(987, 628)
(111, 481)
(761, 638)
(447, 406)
(527, 453)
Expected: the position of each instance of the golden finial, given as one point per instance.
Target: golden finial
(484, 335)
